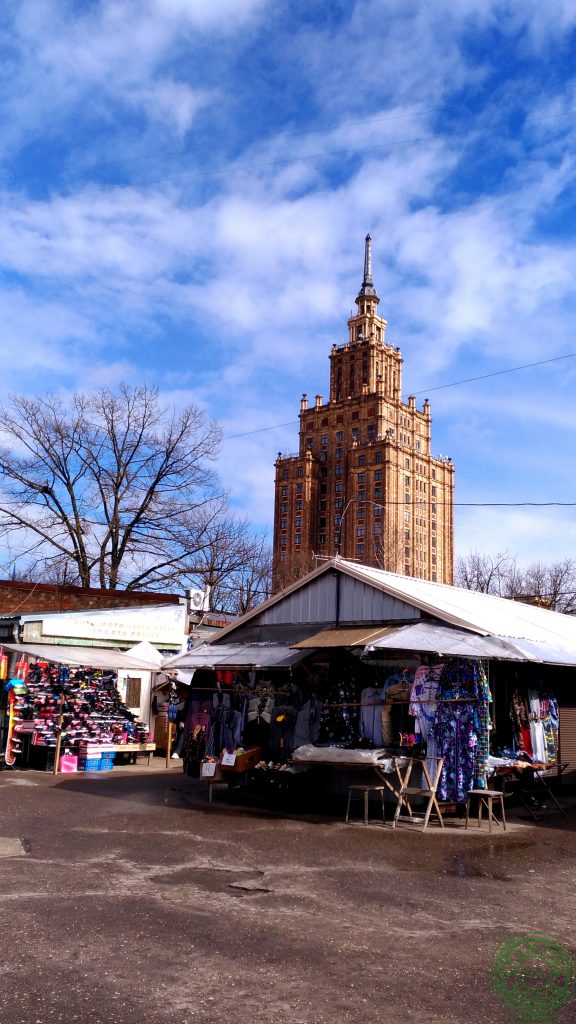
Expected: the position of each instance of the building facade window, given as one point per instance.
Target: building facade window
(339, 435)
(324, 439)
(298, 538)
(284, 492)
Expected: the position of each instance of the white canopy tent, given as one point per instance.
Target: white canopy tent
(77, 657)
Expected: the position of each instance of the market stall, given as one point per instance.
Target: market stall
(357, 658)
(67, 715)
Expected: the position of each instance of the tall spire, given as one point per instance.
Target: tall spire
(367, 290)
(367, 262)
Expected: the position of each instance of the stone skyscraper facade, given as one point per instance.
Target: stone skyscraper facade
(364, 484)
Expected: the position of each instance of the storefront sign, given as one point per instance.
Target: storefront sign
(158, 625)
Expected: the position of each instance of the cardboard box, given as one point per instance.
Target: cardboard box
(248, 759)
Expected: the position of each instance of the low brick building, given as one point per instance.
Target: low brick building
(22, 598)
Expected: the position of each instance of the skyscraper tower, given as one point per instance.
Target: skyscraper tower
(364, 484)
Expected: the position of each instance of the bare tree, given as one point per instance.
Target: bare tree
(551, 586)
(234, 564)
(490, 574)
(111, 488)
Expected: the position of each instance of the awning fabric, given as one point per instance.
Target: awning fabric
(93, 657)
(355, 636)
(242, 656)
(435, 638)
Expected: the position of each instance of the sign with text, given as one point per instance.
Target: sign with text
(161, 624)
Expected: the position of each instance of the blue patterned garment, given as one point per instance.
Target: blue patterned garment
(462, 729)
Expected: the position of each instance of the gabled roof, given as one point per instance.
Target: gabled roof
(548, 636)
(482, 613)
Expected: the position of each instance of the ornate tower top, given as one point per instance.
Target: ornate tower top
(367, 290)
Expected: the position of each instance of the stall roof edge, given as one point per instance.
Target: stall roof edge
(553, 633)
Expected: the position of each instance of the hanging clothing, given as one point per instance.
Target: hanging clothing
(423, 697)
(371, 715)
(520, 717)
(462, 728)
(194, 751)
(339, 717)
(423, 708)
(232, 723)
(282, 732)
(307, 728)
(456, 743)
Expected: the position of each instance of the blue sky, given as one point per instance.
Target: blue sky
(185, 188)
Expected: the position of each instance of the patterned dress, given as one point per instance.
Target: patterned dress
(462, 728)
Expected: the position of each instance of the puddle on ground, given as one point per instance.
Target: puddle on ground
(463, 867)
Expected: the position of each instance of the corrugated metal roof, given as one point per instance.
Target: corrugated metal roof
(438, 639)
(258, 655)
(546, 636)
(355, 637)
(546, 652)
(469, 609)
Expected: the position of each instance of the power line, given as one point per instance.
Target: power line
(495, 373)
(292, 158)
(438, 387)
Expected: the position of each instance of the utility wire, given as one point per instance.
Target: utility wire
(292, 158)
(438, 387)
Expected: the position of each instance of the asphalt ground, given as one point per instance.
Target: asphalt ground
(127, 899)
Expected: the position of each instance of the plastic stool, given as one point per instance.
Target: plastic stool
(486, 798)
